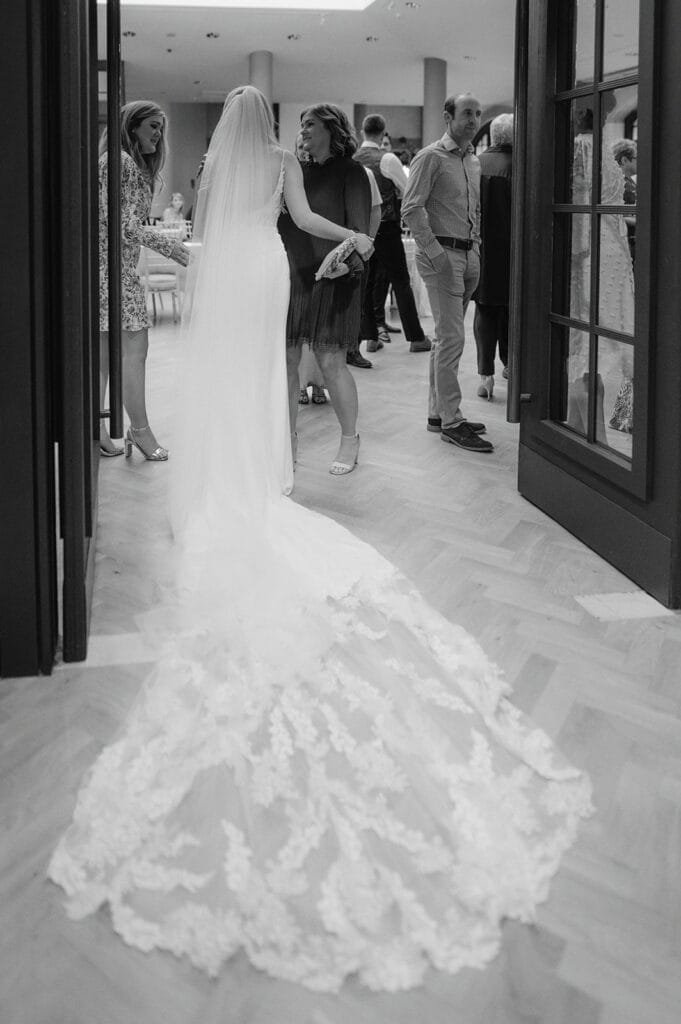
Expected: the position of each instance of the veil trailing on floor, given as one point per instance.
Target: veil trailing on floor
(320, 769)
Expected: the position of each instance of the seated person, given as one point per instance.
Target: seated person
(173, 215)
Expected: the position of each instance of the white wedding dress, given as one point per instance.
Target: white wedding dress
(321, 770)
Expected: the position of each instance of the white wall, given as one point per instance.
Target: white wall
(187, 138)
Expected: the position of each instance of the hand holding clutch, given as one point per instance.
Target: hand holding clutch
(334, 263)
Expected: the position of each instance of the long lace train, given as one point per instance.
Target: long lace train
(364, 801)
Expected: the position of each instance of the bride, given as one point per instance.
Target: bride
(320, 769)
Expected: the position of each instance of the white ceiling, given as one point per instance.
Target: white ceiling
(170, 58)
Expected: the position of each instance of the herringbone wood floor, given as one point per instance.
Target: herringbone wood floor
(606, 946)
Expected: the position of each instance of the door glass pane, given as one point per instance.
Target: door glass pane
(615, 276)
(574, 121)
(616, 375)
(620, 38)
(580, 267)
(572, 265)
(585, 32)
(618, 121)
(577, 380)
(582, 152)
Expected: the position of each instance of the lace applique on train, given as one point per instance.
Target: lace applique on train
(368, 802)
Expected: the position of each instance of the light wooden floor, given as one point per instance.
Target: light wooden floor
(606, 949)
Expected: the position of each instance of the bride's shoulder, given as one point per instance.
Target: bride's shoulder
(280, 155)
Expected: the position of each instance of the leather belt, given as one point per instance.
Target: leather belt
(447, 242)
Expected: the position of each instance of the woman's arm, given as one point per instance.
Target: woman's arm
(303, 217)
(376, 204)
(132, 228)
(357, 197)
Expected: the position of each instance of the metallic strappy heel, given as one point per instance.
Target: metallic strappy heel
(159, 454)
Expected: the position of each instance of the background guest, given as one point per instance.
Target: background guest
(354, 357)
(173, 212)
(442, 210)
(405, 159)
(624, 152)
(490, 324)
(142, 141)
(388, 262)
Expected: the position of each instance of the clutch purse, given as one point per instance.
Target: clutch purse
(334, 263)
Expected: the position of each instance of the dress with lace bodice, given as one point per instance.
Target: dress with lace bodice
(320, 770)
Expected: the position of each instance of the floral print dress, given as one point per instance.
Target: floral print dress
(136, 195)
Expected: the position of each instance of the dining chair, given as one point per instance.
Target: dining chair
(160, 274)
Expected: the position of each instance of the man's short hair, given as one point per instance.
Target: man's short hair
(373, 124)
(450, 105)
(450, 102)
(624, 148)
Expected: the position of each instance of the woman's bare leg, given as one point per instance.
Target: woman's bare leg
(135, 346)
(293, 354)
(341, 387)
(343, 392)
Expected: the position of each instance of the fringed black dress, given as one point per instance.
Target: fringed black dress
(326, 314)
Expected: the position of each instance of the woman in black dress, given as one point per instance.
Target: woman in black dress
(325, 314)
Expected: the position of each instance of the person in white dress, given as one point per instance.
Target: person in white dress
(320, 770)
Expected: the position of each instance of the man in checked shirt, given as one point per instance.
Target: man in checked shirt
(441, 208)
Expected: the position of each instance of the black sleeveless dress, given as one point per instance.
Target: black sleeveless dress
(326, 314)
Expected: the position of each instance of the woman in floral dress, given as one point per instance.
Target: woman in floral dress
(143, 154)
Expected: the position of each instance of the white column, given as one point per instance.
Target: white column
(434, 96)
(260, 72)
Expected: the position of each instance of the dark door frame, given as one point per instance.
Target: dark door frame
(28, 555)
(49, 290)
(636, 528)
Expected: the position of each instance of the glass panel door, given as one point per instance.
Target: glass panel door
(593, 451)
(598, 334)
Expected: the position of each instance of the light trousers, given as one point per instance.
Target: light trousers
(449, 295)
